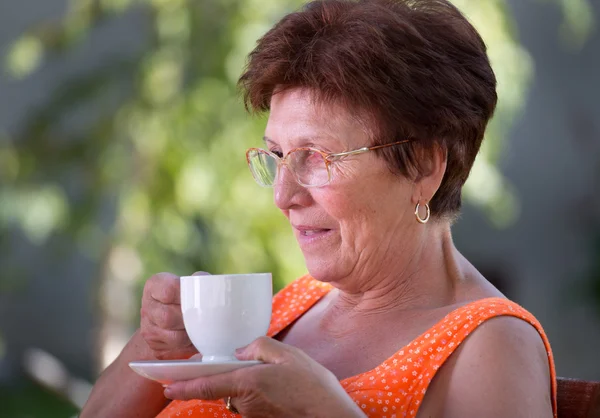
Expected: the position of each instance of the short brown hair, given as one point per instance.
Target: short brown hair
(417, 68)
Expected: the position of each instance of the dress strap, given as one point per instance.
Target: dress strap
(294, 300)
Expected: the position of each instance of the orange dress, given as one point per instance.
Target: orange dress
(397, 386)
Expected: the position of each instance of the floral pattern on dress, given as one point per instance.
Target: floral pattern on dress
(395, 388)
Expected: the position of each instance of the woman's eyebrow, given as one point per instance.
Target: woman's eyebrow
(305, 140)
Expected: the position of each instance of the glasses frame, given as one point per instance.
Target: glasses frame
(327, 157)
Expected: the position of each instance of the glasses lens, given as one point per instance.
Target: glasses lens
(263, 167)
(309, 167)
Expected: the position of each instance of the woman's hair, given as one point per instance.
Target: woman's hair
(411, 68)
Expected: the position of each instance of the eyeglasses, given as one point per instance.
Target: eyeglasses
(309, 166)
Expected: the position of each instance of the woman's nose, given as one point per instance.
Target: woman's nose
(287, 191)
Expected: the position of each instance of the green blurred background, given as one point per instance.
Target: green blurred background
(122, 142)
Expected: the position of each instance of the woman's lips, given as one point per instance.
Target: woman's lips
(311, 235)
(310, 229)
(311, 232)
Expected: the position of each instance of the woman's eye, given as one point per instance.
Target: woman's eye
(277, 153)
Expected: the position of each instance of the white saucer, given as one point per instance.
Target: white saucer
(169, 371)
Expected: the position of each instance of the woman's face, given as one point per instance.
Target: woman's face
(357, 221)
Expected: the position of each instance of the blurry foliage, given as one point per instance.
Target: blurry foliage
(29, 400)
(169, 156)
(578, 23)
(486, 187)
(166, 162)
(156, 179)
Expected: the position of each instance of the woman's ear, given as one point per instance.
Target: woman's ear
(432, 163)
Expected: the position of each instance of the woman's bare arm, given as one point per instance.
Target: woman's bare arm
(500, 370)
(120, 392)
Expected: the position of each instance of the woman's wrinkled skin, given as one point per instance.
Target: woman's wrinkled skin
(393, 278)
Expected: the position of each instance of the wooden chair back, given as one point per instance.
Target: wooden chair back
(578, 398)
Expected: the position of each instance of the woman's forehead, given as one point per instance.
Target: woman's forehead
(296, 117)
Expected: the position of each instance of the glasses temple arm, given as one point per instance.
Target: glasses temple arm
(333, 157)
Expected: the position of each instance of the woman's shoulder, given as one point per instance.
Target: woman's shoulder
(501, 353)
(493, 327)
(484, 355)
(490, 306)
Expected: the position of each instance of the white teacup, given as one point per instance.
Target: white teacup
(224, 312)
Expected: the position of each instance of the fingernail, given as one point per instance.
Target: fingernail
(168, 393)
(240, 350)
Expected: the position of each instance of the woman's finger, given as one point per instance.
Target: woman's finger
(207, 388)
(265, 349)
(167, 338)
(164, 288)
(164, 316)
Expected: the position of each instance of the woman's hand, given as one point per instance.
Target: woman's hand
(289, 384)
(161, 318)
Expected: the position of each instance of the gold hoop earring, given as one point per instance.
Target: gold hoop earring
(422, 221)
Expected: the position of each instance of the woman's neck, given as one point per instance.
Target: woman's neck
(423, 276)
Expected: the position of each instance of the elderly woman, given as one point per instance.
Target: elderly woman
(377, 110)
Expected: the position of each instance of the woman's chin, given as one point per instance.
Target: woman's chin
(319, 252)
(321, 268)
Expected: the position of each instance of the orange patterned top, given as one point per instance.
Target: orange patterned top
(397, 386)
